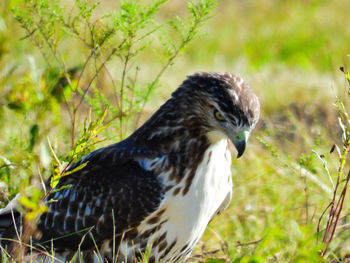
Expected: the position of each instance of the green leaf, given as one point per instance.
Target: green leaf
(17, 106)
(59, 189)
(33, 136)
(76, 169)
(27, 203)
(55, 177)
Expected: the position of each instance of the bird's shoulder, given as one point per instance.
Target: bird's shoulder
(114, 155)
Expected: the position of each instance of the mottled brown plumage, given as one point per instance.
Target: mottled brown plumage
(163, 184)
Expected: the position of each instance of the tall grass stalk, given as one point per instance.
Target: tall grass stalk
(336, 205)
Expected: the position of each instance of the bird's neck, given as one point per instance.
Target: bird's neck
(172, 129)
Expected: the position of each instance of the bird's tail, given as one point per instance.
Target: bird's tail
(8, 219)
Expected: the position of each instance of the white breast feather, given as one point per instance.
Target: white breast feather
(189, 215)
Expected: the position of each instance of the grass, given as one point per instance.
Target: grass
(288, 51)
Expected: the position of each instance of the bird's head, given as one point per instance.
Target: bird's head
(224, 104)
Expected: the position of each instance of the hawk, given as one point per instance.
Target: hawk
(158, 189)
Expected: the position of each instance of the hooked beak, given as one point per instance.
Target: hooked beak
(240, 142)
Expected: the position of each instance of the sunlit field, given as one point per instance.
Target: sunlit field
(295, 55)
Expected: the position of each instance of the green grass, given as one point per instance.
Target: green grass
(288, 51)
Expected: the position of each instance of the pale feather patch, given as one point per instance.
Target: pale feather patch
(216, 136)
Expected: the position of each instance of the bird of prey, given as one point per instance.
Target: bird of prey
(158, 189)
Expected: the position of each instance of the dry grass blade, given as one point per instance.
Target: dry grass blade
(334, 214)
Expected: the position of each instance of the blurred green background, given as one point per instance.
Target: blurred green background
(289, 52)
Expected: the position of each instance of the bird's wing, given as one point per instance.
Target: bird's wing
(111, 195)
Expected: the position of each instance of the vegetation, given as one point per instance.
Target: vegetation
(75, 76)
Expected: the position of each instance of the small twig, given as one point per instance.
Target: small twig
(338, 210)
(132, 99)
(320, 219)
(113, 83)
(325, 167)
(239, 244)
(93, 78)
(7, 165)
(306, 201)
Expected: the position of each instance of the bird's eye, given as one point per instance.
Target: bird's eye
(218, 116)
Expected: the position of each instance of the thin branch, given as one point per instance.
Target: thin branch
(93, 78)
(320, 219)
(239, 244)
(113, 83)
(127, 58)
(339, 208)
